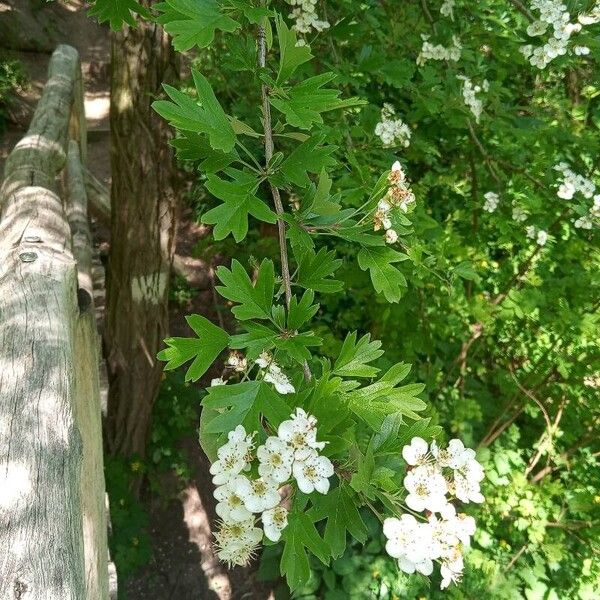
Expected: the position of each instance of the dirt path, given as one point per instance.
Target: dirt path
(182, 565)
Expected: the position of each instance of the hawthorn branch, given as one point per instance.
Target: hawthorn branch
(428, 15)
(269, 147)
(523, 10)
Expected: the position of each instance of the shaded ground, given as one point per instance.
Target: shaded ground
(182, 566)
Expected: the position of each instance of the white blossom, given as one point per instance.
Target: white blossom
(430, 51)
(233, 456)
(470, 91)
(391, 130)
(279, 379)
(455, 456)
(426, 488)
(542, 238)
(217, 381)
(237, 362)
(264, 360)
(451, 572)
(274, 522)
(276, 457)
(447, 8)
(573, 182)
(230, 506)
(391, 237)
(518, 214)
(417, 452)
(300, 432)
(491, 201)
(312, 471)
(306, 18)
(442, 536)
(583, 223)
(237, 541)
(258, 494)
(404, 537)
(554, 18)
(466, 482)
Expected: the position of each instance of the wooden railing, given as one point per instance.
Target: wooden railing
(53, 521)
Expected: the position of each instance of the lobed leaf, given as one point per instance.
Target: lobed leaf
(255, 300)
(203, 115)
(203, 350)
(118, 12)
(193, 22)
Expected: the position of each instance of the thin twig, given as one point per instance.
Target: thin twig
(285, 269)
(523, 10)
(515, 558)
(269, 148)
(428, 16)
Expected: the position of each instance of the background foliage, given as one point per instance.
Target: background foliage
(502, 331)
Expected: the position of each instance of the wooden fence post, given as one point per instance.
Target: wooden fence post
(52, 528)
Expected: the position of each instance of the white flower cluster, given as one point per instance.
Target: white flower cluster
(434, 474)
(572, 183)
(399, 195)
(237, 362)
(554, 14)
(306, 18)
(518, 214)
(271, 371)
(447, 9)
(392, 131)
(293, 452)
(540, 236)
(491, 201)
(470, 92)
(274, 374)
(430, 51)
(592, 17)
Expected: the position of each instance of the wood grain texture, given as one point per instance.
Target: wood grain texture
(52, 517)
(87, 386)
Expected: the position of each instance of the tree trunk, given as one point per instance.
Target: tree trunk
(143, 223)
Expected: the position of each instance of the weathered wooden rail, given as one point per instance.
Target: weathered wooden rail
(53, 522)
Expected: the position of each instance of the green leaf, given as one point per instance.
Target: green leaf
(228, 406)
(301, 312)
(204, 115)
(375, 402)
(291, 56)
(257, 338)
(308, 157)
(320, 203)
(117, 12)
(297, 345)
(193, 22)
(314, 269)
(361, 481)
(204, 349)
(195, 146)
(466, 271)
(339, 508)
(385, 277)
(354, 356)
(239, 202)
(255, 300)
(300, 535)
(303, 104)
